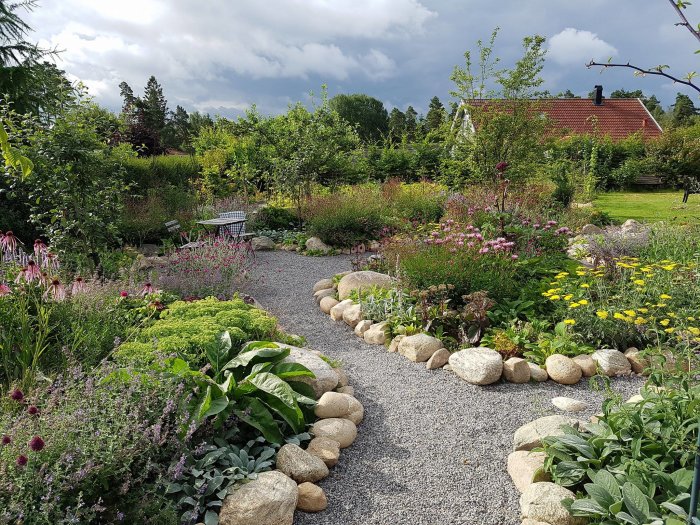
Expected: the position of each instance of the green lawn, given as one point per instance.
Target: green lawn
(650, 206)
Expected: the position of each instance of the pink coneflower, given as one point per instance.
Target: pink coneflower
(78, 286)
(39, 248)
(52, 261)
(4, 290)
(17, 395)
(33, 271)
(9, 242)
(56, 290)
(22, 460)
(21, 275)
(36, 444)
(147, 289)
(6, 440)
(33, 410)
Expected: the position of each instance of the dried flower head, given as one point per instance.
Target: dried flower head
(78, 286)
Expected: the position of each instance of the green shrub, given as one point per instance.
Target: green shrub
(422, 202)
(162, 170)
(274, 218)
(189, 329)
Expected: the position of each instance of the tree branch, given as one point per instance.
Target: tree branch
(643, 71)
(684, 22)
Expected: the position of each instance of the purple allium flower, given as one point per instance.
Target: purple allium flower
(36, 444)
(501, 167)
(33, 410)
(22, 460)
(6, 440)
(17, 395)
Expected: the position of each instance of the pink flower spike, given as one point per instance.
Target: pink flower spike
(55, 291)
(33, 271)
(4, 290)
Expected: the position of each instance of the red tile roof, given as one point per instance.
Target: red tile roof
(616, 117)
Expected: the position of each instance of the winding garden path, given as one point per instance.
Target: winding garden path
(432, 448)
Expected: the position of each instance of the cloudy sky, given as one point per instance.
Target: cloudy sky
(221, 56)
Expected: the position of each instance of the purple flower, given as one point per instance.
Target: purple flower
(17, 395)
(22, 460)
(33, 410)
(6, 440)
(36, 444)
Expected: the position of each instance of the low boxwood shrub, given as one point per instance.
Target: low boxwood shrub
(162, 170)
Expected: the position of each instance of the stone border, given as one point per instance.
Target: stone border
(274, 496)
(479, 365)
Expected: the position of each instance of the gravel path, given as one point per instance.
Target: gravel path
(432, 448)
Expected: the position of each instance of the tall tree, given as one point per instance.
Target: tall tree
(397, 125)
(436, 115)
(684, 111)
(411, 122)
(367, 114)
(177, 132)
(155, 107)
(146, 117)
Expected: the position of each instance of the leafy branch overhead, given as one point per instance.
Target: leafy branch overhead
(679, 6)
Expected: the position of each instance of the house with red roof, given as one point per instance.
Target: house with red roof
(617, 118)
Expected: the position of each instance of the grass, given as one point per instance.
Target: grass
(650, 206)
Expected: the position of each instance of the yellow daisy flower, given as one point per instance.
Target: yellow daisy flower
(665, 296)
(665, 322)
(602, 314)
(582, 301)
(570, 321)
(585, 285)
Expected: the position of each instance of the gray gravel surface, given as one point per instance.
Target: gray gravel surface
(432, 448)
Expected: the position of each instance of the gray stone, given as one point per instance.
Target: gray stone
(376, 334)
(325, 378)
(568, 404)
(326, 449)
(148, 250)
(479, 366)
(299, 465)
(323, 284)
(562, 369)
(268, 500)
(438, 359)
(591, 229)
(394, 345)
(537, 373)
(630, 225)
(347, 390)
(542, 502)
(311, 498)
(338, 309)
(362, 281)
(342, 377)
(516, 370)
(327, 303)
(587, 365)
(317, 245)
(262, 244)
(352, 315)
(420, 347)
(637, 362)
(611, 362)
(327, 292)
(341, 430)
(335, 404)
(525, 468)
(530, 435)
(362, 327)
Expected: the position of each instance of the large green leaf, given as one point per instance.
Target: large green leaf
(275, 386)
(289, 370)
(218, 353)
(217, 405)
(292, 415)
(254, 412)
(600, 495)
(608, 482)
(635, 502)
(243, 359)
(587, 507)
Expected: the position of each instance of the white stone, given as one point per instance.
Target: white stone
(525, 468)
(376, 334)
(420, 347)
(479, 366)
(516, 370)
(268, 500)
(326, 292)
(327, 304)
(612, 362)
(262, 244)
(317, 245)
(326, 449)
(323, 284)
(568, 404)
(530, 435)
(537, 373)
(362, 327)
(338, 309)
(342, 377)
(438, 359)
(394, 345)
(362, 281)
(542, 502)
(336, 404)
(562, 369)
(341, 430)
(347, 390)
(299, 465)
(352, 315)
(587, 365)
(325, 378)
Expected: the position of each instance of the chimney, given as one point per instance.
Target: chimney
(598, 100)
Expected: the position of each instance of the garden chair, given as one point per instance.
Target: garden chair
(174, 228)
(236, 231)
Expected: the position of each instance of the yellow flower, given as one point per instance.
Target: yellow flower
(672, 315)
(582, 301)
(639, 282)
(570, 321)
(631, 313)
(618, 315)
(602, 314)
(644, 310)
(669, 330)
(693, 330)
(640, 320)
(580, 273)
(568, 297)
(554, 298)
(669, 267)
(585, 285)
(665, 296)
(690, 318)
(664, 322)
(646, 269)
(660, 305)
(574, 305)
(560, 276)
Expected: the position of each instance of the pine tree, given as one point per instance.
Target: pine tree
(411, 122)
(684, 111)
(397, 125)
(436, 115)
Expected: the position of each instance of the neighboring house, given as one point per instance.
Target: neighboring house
(615, 117)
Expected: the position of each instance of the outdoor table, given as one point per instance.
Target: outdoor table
(220, 223)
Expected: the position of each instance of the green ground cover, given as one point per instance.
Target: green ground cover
(650, 206)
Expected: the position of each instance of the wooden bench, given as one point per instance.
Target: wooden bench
(649, 180)
(174, 228)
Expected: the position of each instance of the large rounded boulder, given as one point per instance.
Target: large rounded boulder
(479, 366)
(362, 281)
